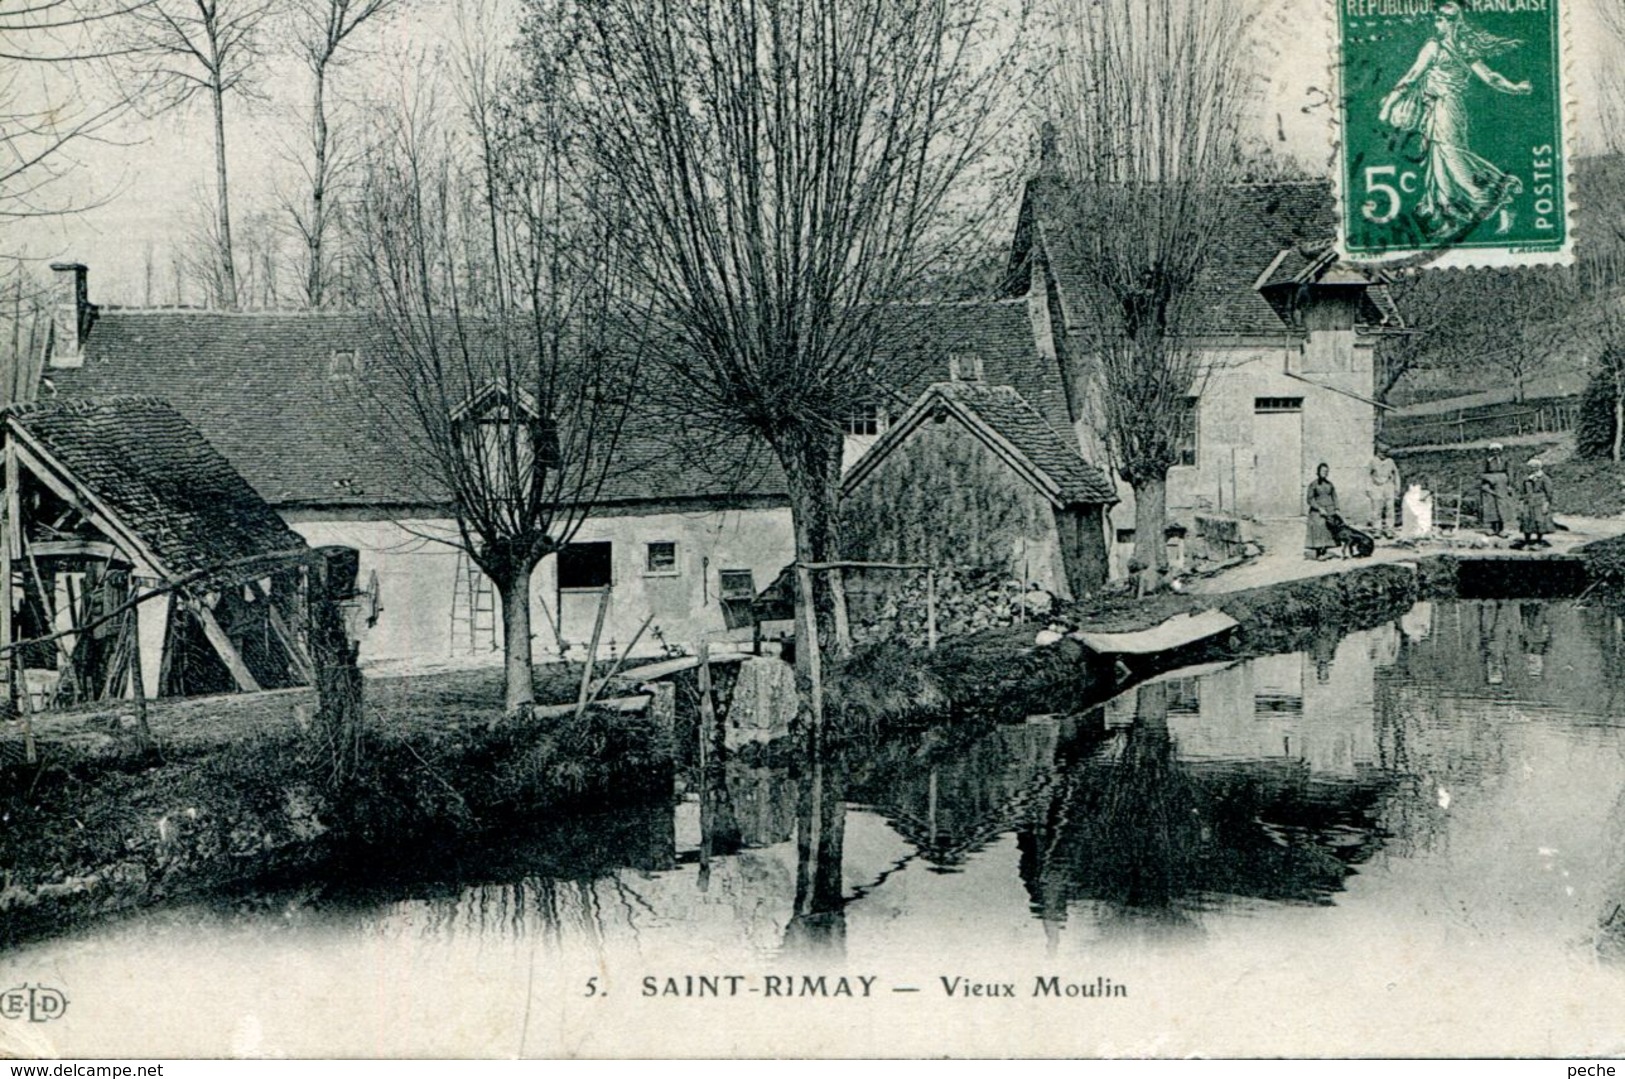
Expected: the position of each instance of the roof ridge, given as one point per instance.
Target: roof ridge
(186, 309)
(77, 405)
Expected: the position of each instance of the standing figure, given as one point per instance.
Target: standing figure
(1495, 492)
(1459, 187)
(1417, 511)
(1322, 508)
(1535, 518)
(1382, 491)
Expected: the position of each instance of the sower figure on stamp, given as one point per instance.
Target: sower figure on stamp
(1322, 508)
(1495, 492)
(1382, 491)
(1458, 186)
(1535, 517)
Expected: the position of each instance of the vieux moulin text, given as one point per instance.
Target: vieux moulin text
(869, 986)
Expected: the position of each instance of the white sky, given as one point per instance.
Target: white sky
(148, 184)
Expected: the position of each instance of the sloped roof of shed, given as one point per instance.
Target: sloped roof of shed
(157, 477)
(1013, 429)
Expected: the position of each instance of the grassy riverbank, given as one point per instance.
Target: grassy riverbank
(234, 787)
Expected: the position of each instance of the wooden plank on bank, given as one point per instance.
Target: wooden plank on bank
(635, 703)
(654, 672)
(1180, 631)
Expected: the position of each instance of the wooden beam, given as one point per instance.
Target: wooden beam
(224, 648)
(86, 505)
(76, 548)
(289, 641)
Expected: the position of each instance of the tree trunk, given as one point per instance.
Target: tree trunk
(1619, 424)
(1150, 523)
(519, 692)
(314, 232)
(812, 469)
(228, 268)
(335, 674)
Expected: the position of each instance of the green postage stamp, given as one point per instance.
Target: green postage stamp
(1454, 147)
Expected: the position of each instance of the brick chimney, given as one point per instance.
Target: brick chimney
(71, 314)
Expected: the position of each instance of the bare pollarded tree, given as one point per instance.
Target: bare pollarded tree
(185, 48)
(1149, 100)
(508, 354)
(787, 172)
(324, 32)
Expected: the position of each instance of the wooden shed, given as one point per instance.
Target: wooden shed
(141, 563)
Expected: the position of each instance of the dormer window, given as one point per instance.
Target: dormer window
(964, 367)
(344, 365)
(863, 421)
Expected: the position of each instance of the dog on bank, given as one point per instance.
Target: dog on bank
(1352, 542)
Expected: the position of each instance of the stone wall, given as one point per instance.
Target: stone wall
(967, 601)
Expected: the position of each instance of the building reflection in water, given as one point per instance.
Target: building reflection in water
(1266, 781)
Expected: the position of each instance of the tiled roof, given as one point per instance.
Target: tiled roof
(1017, 429)
(998, 333)
(264, 388)
(1286, 226)
(159, 478)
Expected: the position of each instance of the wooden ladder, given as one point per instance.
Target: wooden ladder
(473, 610)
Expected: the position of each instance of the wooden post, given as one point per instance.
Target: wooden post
(708, 708)
(931, 610)
(14, 661)
(835, 581)
(708, 719)
(138, 682)
(620, 661)
(592, 652)
(221, 640)
(339, 686)
(807, 638)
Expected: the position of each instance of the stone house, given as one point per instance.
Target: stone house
(1288, 334)
(676, 533)
(972, 476)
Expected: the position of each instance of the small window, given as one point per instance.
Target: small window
(660, 558)
(1277, 404)
(737, 584)
(1187, 433)
(344, 365)
(964, 367)
(1125, 535)
(586, 565)
(862, 422)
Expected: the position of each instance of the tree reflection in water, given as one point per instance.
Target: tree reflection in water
(1151, 839)
(818, 926)
(1263, 782)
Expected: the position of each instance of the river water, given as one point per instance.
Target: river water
(1409, 840)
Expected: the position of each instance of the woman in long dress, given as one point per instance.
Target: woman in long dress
(1322, 508)
(1535, 519)
(1458, 186)
(1495, 492)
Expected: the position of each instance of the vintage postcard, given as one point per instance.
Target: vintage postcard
(812, 529)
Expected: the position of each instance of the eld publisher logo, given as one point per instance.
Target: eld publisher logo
(35, 1003)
